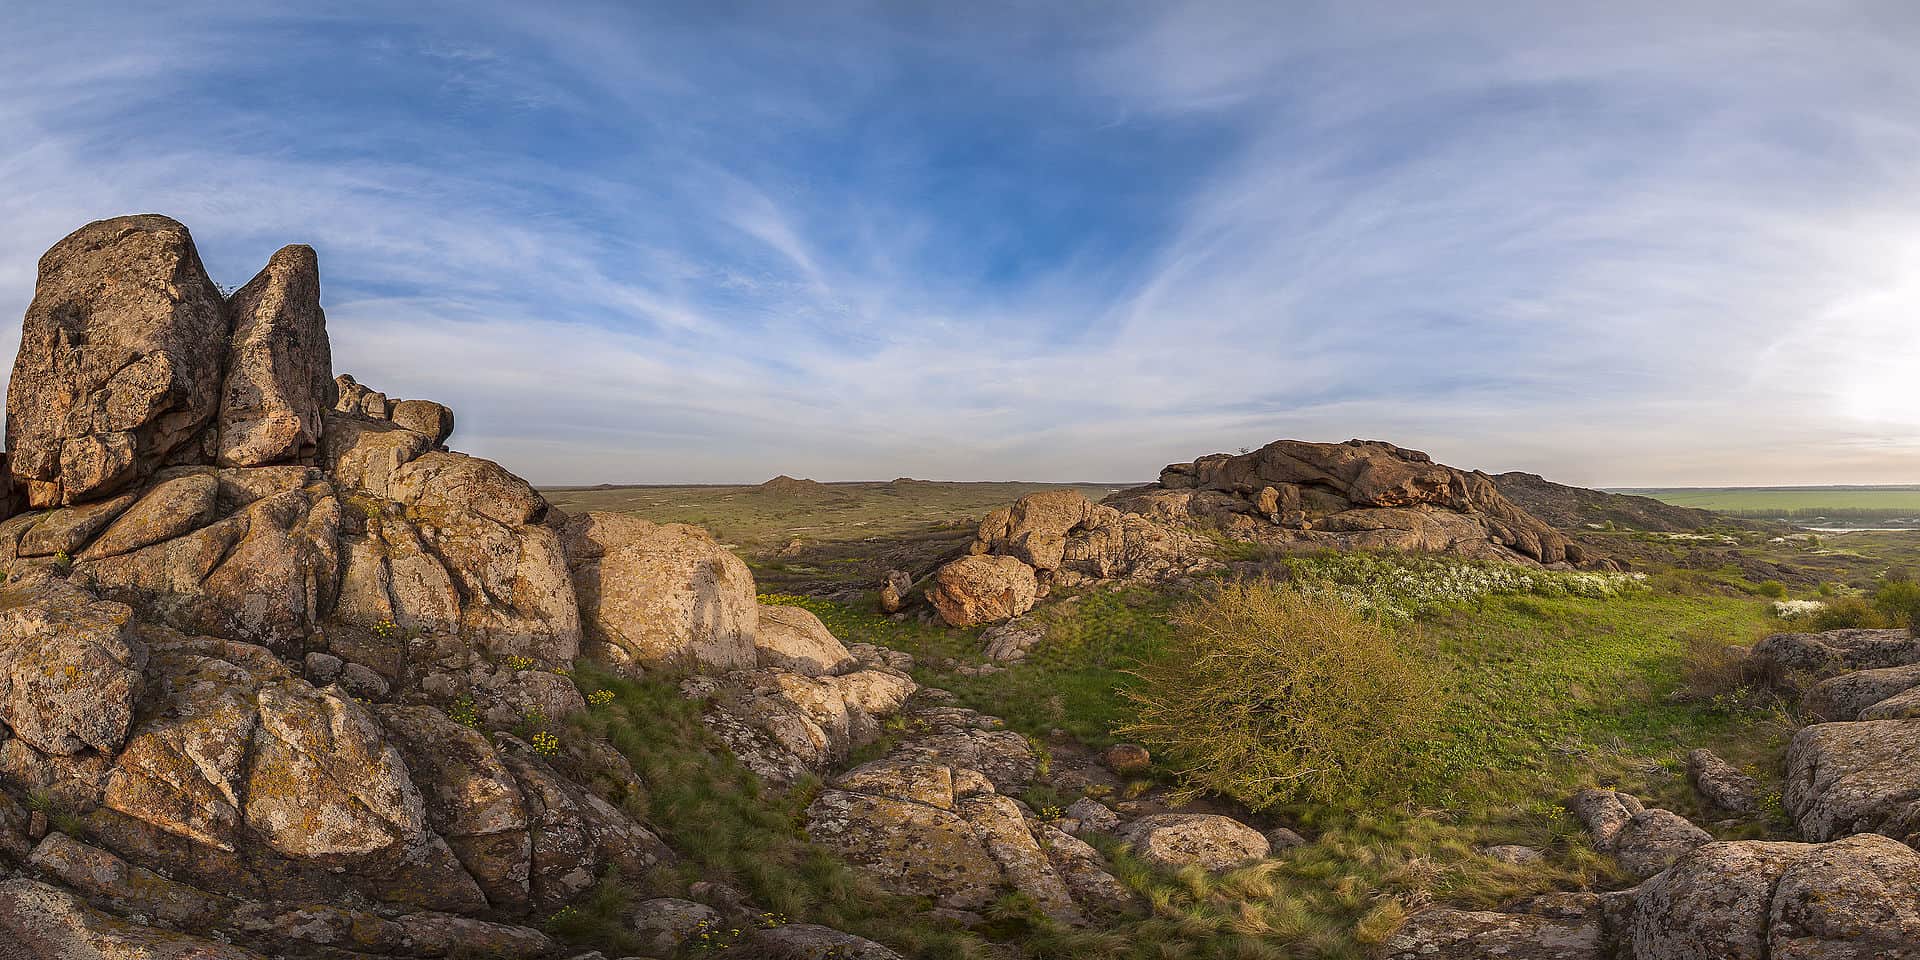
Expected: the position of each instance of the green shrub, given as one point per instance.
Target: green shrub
(1843, 613)
(1773, 589)
(1899, 602)
(1270, 695)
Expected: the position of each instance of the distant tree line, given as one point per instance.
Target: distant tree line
(1830, 513)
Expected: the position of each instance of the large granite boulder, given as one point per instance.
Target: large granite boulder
(115, 374)
(660, 595)
(983, 589)
(1845, 778)
(279, 375)
(792, 638)
(1836, 651)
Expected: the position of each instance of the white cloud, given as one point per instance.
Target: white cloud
(1654, 245)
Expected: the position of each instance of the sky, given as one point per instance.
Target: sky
(1622, 244)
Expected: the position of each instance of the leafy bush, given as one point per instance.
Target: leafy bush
(1773, 589)
(1843, 613)
(1899, 602)
(1272, 695)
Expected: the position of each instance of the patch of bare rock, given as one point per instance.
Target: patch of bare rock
(262, 636)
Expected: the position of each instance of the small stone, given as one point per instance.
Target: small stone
(1093, 815)
(362, 682)
(1281, 838)
(665, 923)
(1208, 841)
(1514, 854)
(323, 668)
(1127, 758)
(1720, 783)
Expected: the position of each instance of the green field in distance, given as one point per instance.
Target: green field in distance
(1886, 502)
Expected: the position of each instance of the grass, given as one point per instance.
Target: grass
(1548, 693)
(727, 828)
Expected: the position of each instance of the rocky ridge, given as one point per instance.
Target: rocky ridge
(264, 638)
(1289, 495)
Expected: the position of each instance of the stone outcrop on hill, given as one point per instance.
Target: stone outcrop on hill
(1569, 508)
(263, 636)
(1362, 494)
(1057, 538)
(1290, 494)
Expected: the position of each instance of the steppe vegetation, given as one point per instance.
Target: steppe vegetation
(1508, 689)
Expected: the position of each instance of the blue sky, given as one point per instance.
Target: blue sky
(1624, 243)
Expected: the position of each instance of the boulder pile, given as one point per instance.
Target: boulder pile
(265, 640)
(1058, 538)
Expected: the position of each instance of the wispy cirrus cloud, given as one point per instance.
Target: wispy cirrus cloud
(1635, 246)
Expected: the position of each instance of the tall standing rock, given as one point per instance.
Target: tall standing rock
(113, 373)
(279, 368)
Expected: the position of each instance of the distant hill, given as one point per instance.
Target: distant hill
(1571, 508)
(785, 486)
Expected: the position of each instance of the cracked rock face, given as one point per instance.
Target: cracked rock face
(237, 623)
(279, 378)
(1845, 778)
(114, 374)
(660, 595)
(928, 820)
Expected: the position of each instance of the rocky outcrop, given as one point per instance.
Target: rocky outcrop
(279, 374)
(115, 371)
(1441, 933)
(1569, 508)
(784, 725)
(1644, 840)
(70, 667)
(1845, 778)
(935, 817)
(1362, 494)
(792, 638)
(1721, 784)
(263, 636)
(1836, 651)
(1056, 538)
(1745, 900)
